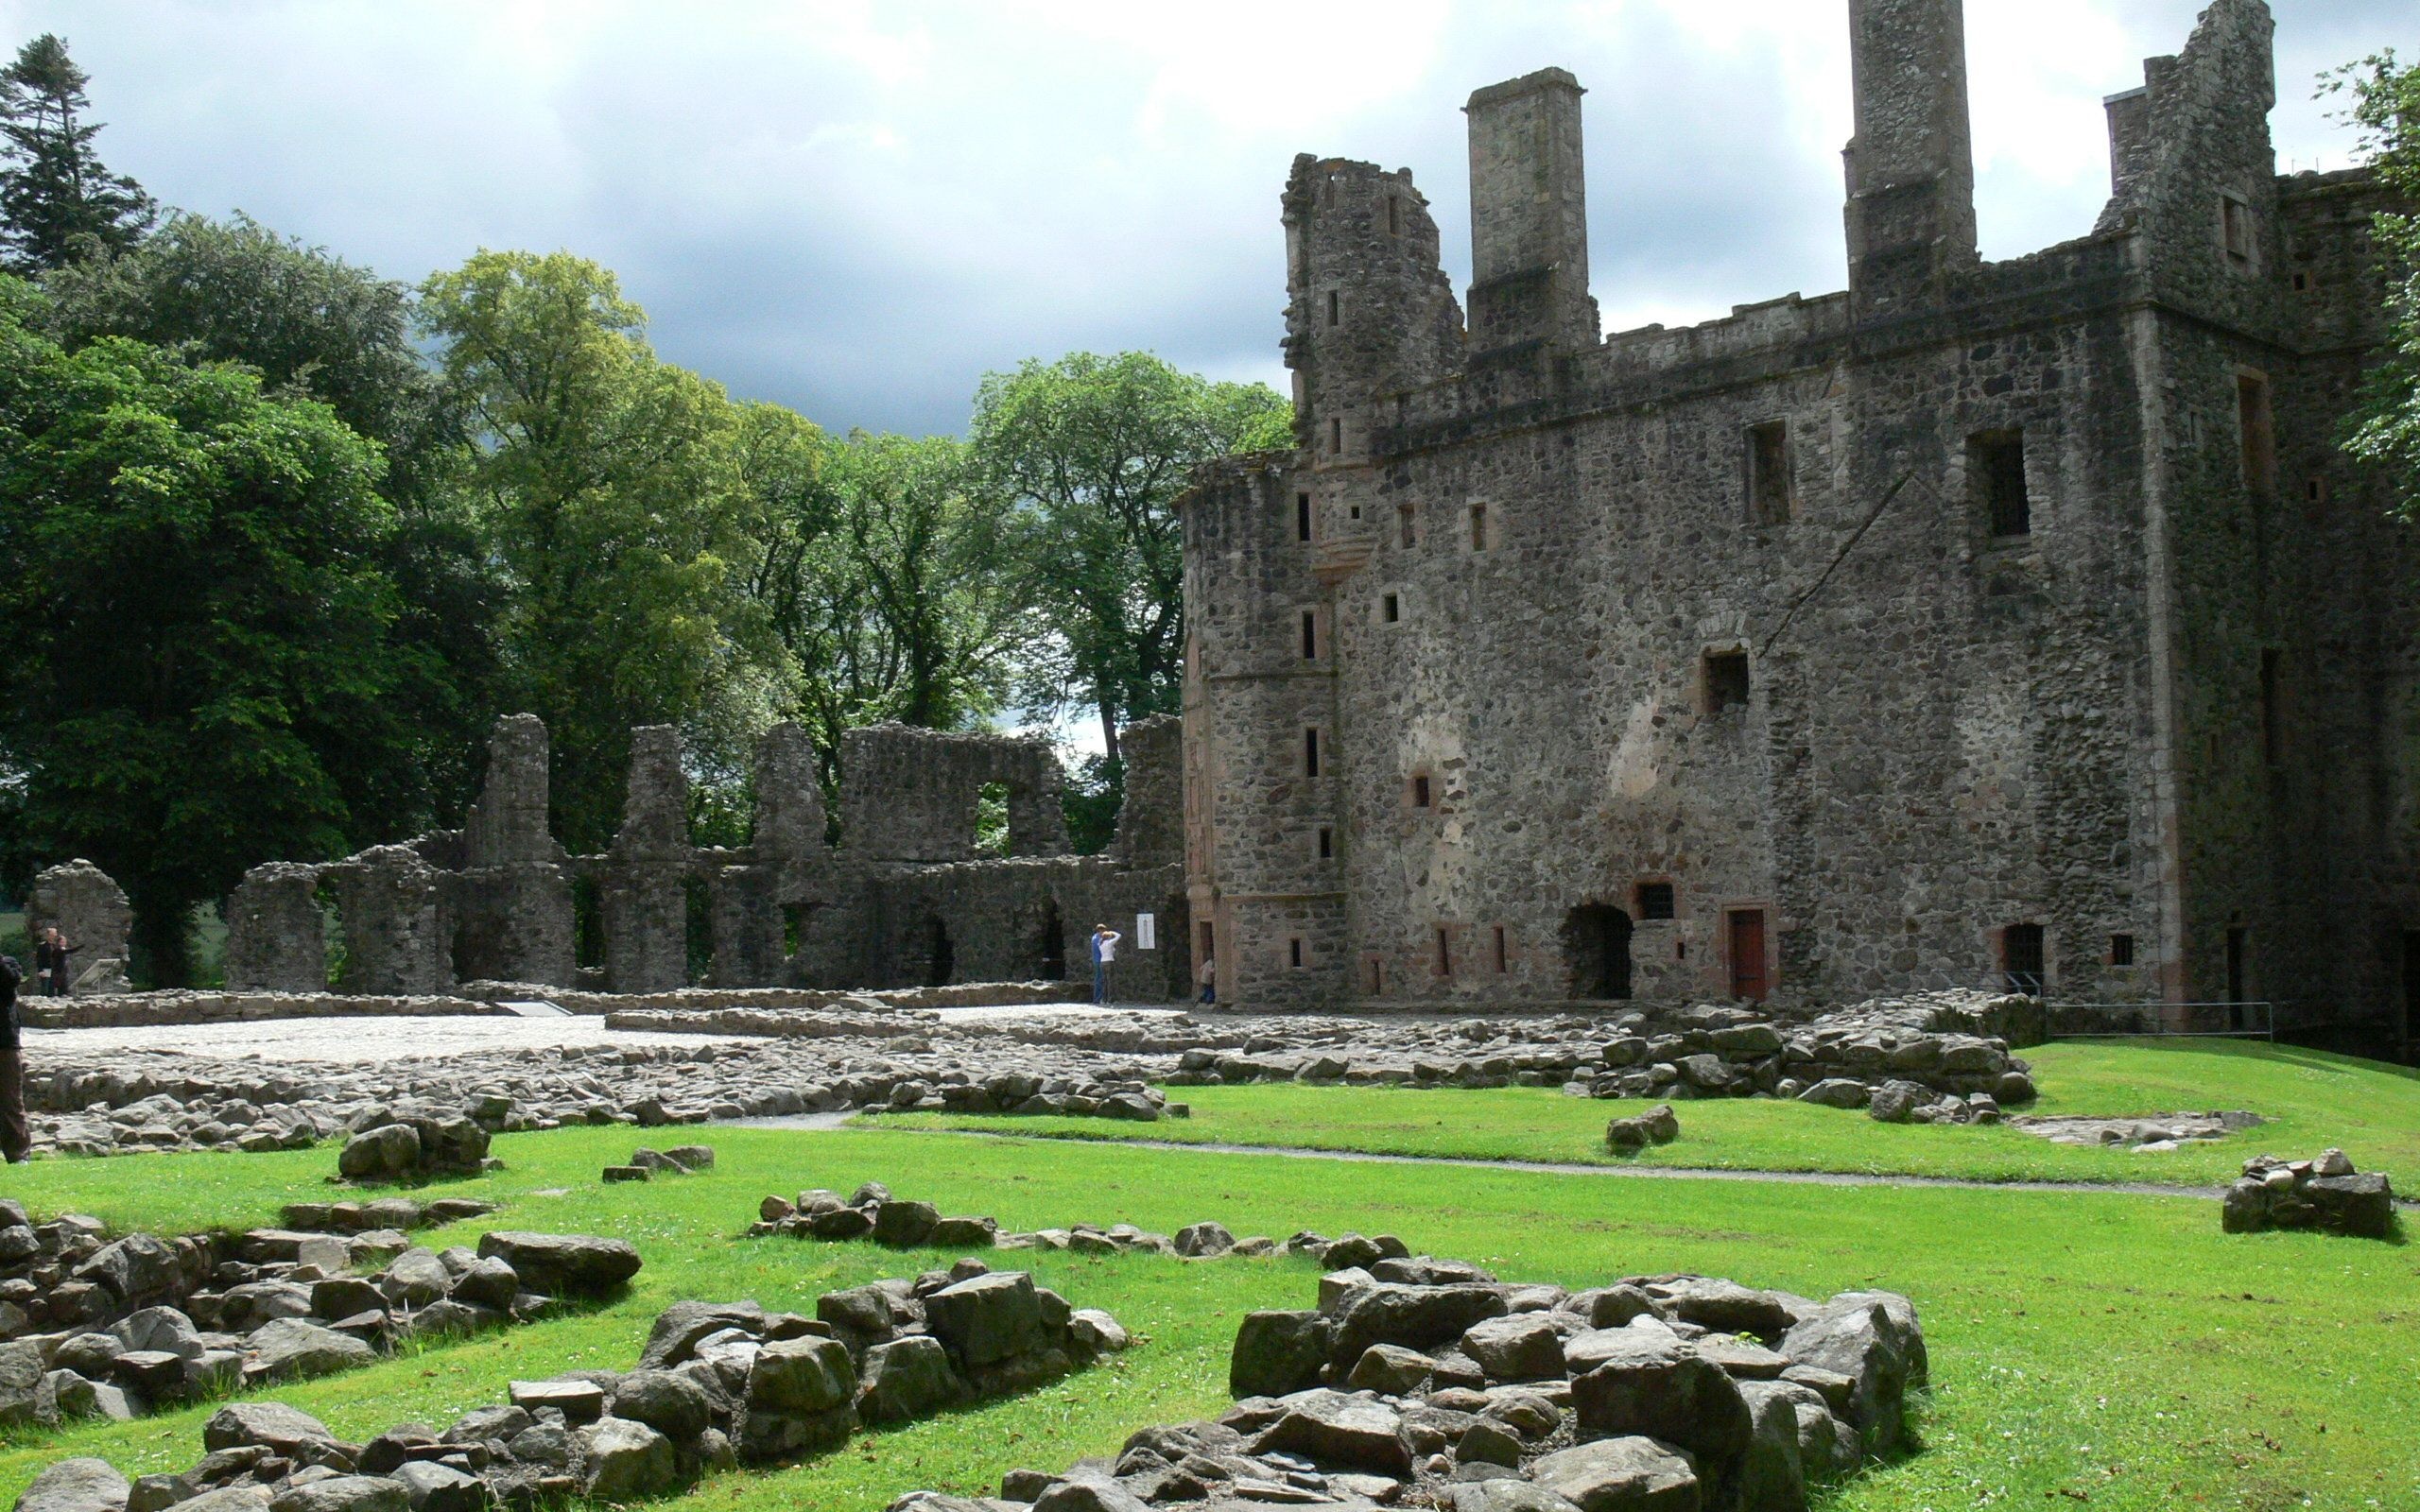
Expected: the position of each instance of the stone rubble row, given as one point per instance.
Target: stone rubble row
(1105, 1067)
(134, 1325)
(2326, 1193)
(1445, 1388)
(715, 1385)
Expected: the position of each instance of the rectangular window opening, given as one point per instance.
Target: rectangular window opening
(1478, 527)
(1302, 517)
(1403, 518)
(1726, 681)
(1394, 217)
(1335, 308)
(1769, 479)
(1378, 977)
(2122, 950)
(2258, 428)
(1420, 792)
(1655, 899)
(1327, 843)
(1503, 956)
(2302, 282)
(1996, 476)
(1391, 608)
(2021, 959)
(1335, 436)
(1444, 952)
(2273, 731)
(2237, 219)
(1310, 635)
(1310, 753)
(2316, 490)
(1294, 953)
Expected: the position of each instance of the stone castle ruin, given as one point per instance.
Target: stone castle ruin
(904, 900)
(1986, 624)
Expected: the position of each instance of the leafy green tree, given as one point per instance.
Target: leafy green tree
(1090, 453)
(314, 325)
(2386, 109)
(199, 663)
(609, 486)
(885, 583)
(56, 201)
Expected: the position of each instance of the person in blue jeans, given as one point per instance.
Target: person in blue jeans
(1104, 950)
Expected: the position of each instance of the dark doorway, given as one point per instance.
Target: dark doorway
(1054, 942)
(587, 924)
(2021, 959)
(941, 963)
(1175, 932)
(2239, 989)
(1748, 978)
(2410, 989)
(1596, 951)
(698, 928)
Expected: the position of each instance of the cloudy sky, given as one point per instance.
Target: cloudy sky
(858, 208)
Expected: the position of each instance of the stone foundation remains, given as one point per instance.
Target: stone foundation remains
(1452, 1390)
(903, 900)
(2326, 1193)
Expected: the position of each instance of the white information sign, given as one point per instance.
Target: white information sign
(1147, 931)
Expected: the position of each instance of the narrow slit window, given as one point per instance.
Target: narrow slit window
(1310, 635)
(1394, 217)
(1335, 436)
(2302, 282)
(1327, 843)
(1995, 473)
(1378, 977)
(1420, 795)
(1444, 952)
(2122, 950)
(1294, 953)
(1310, 753)
(1655, 899)
(1768, 480)
(1478, 527)
(1404, 523)
(1335, 308)
(1302, 517)
(1503, 956)
(1726, 681)
(1391, 608)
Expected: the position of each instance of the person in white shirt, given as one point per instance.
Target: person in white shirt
(1104, 950)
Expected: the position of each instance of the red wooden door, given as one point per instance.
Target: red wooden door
(1748, 955)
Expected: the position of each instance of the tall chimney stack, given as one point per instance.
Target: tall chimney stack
(1528, 216)
(1911, 164)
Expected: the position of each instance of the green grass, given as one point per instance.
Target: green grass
(2087, 1342)
(2311, 1099)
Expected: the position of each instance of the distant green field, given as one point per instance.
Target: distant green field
(2088, 1347)
(2311, 1099)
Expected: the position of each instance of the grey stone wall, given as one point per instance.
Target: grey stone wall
(495, 903)
(92, 915)
(1730, 610)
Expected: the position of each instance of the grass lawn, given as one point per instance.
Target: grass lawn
(2311, 1099)
(2114, 1347)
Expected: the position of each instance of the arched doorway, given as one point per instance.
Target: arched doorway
(1595, 952)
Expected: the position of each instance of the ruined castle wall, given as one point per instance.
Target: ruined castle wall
(276, 935)
(911, 794)
(1028, 919)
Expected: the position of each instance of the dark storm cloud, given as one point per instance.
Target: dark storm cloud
(859, 209)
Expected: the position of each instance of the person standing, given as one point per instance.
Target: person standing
(1209, 975)
(16, 1138)
(1104, 952)
(50, 961)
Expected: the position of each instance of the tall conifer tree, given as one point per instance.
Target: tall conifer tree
(55, 193)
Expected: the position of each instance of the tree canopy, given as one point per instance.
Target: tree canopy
(1090, 453)
(56, 201)
(2386, 109)
(200, 633)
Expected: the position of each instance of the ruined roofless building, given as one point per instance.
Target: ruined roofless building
(1987, 622)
